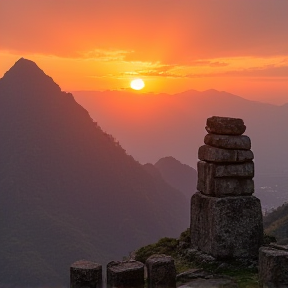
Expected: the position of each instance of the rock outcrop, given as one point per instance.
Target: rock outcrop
(226, 220)
(273, 266)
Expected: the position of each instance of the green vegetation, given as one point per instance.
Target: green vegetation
(245, 277)
(276, 224)
(165, 245)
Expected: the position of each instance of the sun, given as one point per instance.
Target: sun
(137, 84)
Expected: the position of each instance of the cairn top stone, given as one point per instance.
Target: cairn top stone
(225, 125)
(84, 264)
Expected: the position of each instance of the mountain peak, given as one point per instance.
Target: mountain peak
(169, 160)
(24, 66)
(26, 76)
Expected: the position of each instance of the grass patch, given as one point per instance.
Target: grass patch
(244, 277)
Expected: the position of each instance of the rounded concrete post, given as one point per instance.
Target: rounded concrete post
(161, 271)
(125, 274)
(273, 266)
(85, 274)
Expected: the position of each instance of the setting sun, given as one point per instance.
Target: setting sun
(137, 84)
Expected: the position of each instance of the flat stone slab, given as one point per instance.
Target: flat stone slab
(226, 228)
(278, 246)
(210, 283)
(193, 274)
(161, 271)
(214, 170)
(85, 274)
(213, 154)
(225, 125)
(222, 187)
(273, 267)
(242, 142)
(125, 274)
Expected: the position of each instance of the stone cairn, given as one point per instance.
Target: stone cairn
(226, 220)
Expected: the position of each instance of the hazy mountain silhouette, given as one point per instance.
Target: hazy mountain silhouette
(178, 175)
(276, 224)
(68, 190)
(175, 125)
(152, 170)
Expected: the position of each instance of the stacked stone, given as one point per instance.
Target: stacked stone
(226, 166)
(226, 220)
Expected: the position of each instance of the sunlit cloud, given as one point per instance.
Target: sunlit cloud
(104, 55)
(232, 67)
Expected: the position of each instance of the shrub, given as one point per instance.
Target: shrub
(165, 246)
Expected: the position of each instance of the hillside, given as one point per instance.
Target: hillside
(178, 175)
(276, 224)
(68, 190)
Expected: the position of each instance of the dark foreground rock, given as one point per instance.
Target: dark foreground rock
(228, 141)
(225, 125)
(273, 266)
(125, 274)
(85, 274)
(161, 271)
(226, 228)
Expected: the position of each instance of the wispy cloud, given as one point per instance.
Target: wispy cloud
(105, 55)
(232, 67)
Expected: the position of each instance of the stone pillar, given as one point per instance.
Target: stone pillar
(85, 274)
(273, 266)
(126, 274)
(161, 271)
(226, 220)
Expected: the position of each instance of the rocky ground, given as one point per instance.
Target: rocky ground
(197, 269)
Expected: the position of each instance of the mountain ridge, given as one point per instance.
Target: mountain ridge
(68, 189)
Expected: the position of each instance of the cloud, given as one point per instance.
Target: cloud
(208, 68)
(104, 55)
(168, 31)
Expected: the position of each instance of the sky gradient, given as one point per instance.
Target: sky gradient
(239, 46)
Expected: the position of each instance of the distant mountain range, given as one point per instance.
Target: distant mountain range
(68, 190)
(153, 126)
(178, 175)
(276, 224)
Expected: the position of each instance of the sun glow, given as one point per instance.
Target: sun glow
(137, 84)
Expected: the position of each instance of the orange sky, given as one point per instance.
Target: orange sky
(239, 46)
